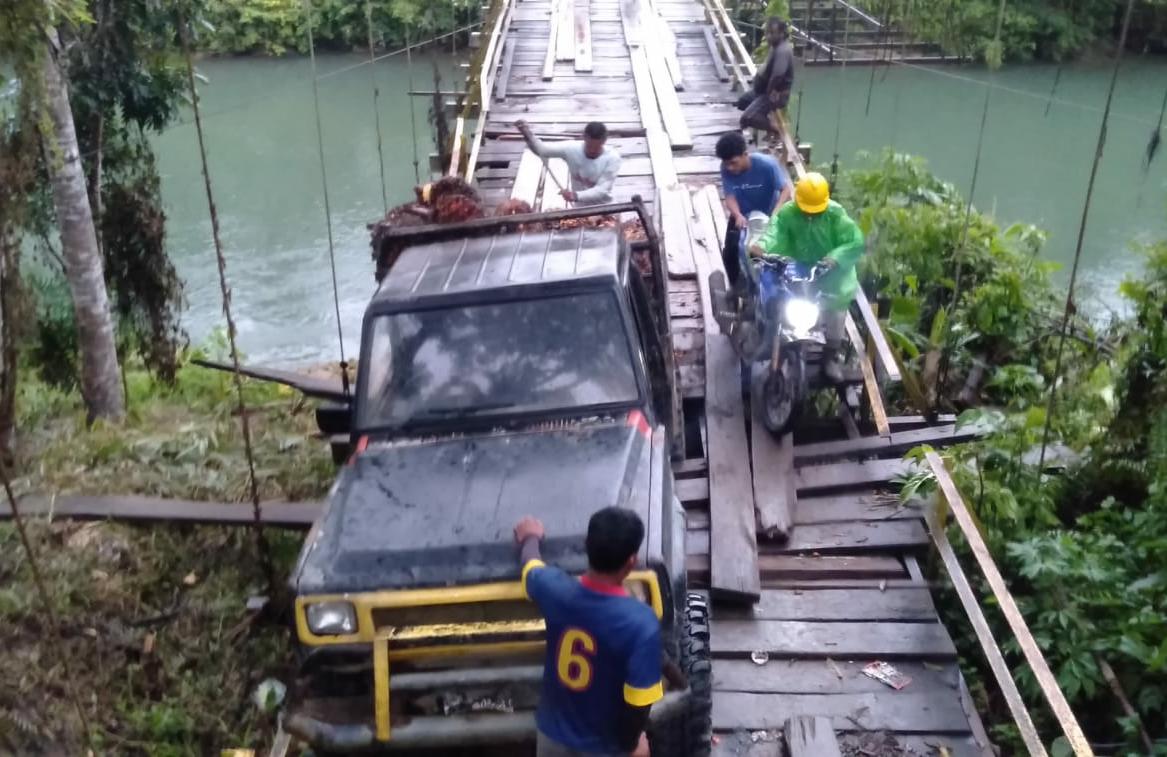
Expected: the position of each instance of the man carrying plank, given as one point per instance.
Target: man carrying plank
(592, 166)
(773, 82)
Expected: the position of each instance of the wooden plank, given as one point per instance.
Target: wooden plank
(883, 351)
(318, 387)
(508, 60)
(666, 98)
(665, 41)
(881, 506)
(552, 41)
(1045, 679)
(889, 710)
(844, 639)
(526, 184)
(456, 146)
(808, 736)
(583, 36)
(817, 676)
(138, 508)
(874, 396)
(718, 63)
(556, 172)
(565, 31)
(880, 446)
(772, 467)
(836, 605)
(675, 232)
(836, 538)
(851, 474)
(801, 568)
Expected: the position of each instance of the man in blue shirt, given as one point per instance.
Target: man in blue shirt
(751, 182)
(602, 671)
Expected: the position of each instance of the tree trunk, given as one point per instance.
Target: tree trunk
(9, 270)
(101, 385)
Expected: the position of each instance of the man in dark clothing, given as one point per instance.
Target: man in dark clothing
(774, 81)
(602, 671)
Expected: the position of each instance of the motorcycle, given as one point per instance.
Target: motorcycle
(772, 317)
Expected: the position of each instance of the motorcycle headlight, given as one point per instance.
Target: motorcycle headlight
(801, 315)
(332, 618)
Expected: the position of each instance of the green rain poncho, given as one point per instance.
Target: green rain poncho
(810, 238)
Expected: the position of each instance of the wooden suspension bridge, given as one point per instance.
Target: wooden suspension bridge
(813, 560)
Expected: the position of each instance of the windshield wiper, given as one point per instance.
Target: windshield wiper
(463, 411)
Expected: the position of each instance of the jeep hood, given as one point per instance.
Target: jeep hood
(441, 513)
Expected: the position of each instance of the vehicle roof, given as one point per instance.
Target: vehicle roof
(501, 260)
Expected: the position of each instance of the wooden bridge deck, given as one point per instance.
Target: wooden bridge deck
(845, 588)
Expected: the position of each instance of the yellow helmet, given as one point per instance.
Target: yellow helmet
(812, 193)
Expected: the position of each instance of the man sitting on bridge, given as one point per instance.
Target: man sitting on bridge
(752, 182)
(813, 229)
(592, 166)
(773, 82)
(603, 670)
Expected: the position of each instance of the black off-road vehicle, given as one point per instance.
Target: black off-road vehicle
(506, 368)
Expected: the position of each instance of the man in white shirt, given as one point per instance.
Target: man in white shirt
(592, 166)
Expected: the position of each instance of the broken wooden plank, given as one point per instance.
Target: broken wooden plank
(583, 36)
(851, 474)
(565, 31)
(836, 538)
(811, 736)
(844, 639)
(718, 63)
(555, 178)
(772, 467)
(889, 605)
(904, 711)
(526, 184)
(139, 508)
(802, 568)
(871, 386)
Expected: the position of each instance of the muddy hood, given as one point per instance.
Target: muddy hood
(442, 513)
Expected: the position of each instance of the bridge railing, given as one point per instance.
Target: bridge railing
(1050, 690)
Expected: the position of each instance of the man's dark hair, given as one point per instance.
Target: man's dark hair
(596, 130)
(776, 22)
(614, 535)
(730, 145)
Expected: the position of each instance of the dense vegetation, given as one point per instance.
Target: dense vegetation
(975, 316)
(278, 26)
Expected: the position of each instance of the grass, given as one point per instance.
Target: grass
(156, 643)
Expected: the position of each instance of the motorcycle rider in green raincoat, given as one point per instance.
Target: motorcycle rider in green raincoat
(812, 229)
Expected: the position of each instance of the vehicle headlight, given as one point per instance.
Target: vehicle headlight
(332, 618)
(801, 315)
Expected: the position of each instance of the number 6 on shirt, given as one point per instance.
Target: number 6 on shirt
(573, 661)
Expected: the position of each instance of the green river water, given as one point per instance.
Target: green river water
(261, 137)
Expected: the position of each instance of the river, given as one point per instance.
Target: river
(261, 138)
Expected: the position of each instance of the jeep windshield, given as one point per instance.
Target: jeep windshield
(498, 359)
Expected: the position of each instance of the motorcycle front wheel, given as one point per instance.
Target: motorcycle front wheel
(782, 392)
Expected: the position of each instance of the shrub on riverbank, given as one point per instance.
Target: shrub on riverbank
(1081, 548)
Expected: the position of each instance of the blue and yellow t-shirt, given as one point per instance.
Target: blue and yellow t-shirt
(603, 649)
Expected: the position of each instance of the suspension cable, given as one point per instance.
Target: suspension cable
(1053, 90)
(842, 86)
(47, 608)
(1053, 389)
(881, 43)
(412, 113)
(1153, 142)
(225, 291)
(324, 189)
(376, 106)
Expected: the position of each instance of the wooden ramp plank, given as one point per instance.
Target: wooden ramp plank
(808, 736)
(887, 362)
(834, 677)
(851, 474)
(772, 466)
(718, 63)
(526, 184)
(556, 172)
(508, 60)
(838, 604)
(666, 97)
(869, 506)
(675, 231)
(583, 36)
(140, 508)
(552, 41)
(796, 638)
(871, 386)
(902, 711)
